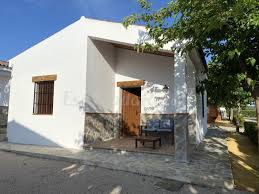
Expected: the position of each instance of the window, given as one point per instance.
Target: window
(43, 97)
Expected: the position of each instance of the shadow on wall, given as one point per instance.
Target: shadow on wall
(160, 99)
(99, 125)
(18, 133)
(128, 61)
(102, 48)
(91, 106)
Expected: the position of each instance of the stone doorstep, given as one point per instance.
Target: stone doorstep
(44, 156)
(216, 183)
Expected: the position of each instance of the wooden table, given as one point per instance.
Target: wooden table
(158, 132)
(148, 139)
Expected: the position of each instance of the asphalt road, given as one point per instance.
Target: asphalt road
(22, 174)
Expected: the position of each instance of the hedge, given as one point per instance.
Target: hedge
(251, 131)
(248, 113)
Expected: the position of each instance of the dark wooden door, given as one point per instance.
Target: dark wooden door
(131, 108)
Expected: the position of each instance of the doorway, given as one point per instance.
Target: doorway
(131, 110)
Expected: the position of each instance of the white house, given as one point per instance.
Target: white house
(76, 85)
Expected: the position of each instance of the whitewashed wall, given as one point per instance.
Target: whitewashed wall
(63, 54)
(205, 119)
(197, 122)
(100, 77)
(157, 71)
(116, 32)
(113, 65)
(194, 129)
(202, 120)
(86, 71)
(142, 64)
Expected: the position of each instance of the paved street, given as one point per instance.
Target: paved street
(22, 174)
(209, 165)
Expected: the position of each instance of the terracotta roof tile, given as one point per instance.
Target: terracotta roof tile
(4, 64)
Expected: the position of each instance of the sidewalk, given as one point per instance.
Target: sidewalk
(209, 166)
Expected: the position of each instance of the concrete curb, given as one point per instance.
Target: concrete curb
(81, 161)
(45, 156)
(71, 160)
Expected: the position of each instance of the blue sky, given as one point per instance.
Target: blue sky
(24, 23)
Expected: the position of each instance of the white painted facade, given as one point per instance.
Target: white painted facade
(112, 65)
(63, 54)
(156, 70)
(88, 67)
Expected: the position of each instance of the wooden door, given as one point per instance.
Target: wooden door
(131, 107)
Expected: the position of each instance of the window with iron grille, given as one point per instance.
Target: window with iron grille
(43, 97)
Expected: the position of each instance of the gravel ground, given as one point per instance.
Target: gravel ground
(22, 174)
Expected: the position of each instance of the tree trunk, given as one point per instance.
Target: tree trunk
(231, 114)
(238, 109)
(256, 96)
(237, 121)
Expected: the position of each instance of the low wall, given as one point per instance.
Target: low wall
(105, 126)
(3, 116)
(3, 122)
(101, 126)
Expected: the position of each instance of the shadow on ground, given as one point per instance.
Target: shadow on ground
(244, 159)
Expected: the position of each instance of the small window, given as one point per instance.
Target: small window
(43, 97)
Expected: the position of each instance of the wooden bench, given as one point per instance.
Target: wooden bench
(148, 139)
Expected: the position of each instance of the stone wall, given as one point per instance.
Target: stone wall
(176, 116)
(3, 116)
(3, 122)
(181, 138)
(101, 126)
(192, 126)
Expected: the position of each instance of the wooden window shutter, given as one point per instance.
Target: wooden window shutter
(43, 97)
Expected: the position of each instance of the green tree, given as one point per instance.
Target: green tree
(225, 89)
(228, 30)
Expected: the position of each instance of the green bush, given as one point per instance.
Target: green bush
(251, 131)
(248, 113)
